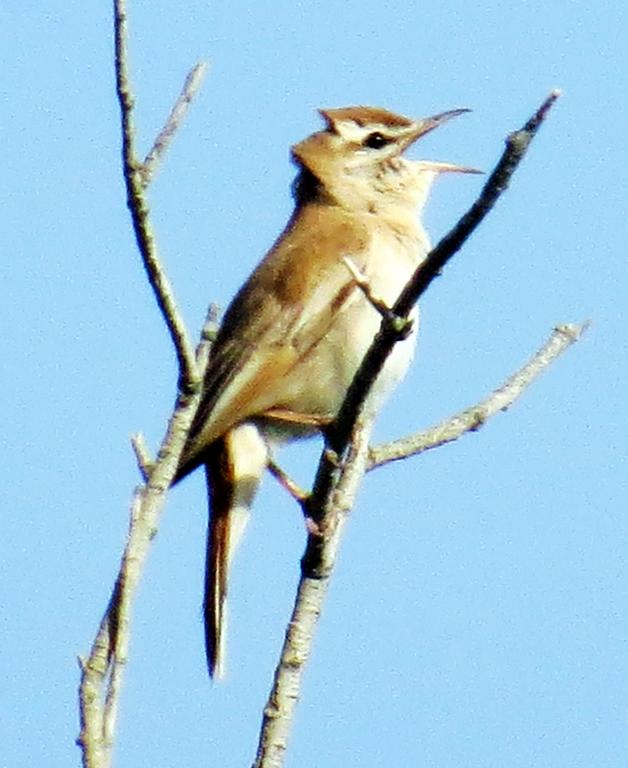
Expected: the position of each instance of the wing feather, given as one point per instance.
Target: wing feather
(278, 317)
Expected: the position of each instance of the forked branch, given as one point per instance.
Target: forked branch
(135, 179)
(102, 670)
(342, 465)
(191, 86)
(345, 460)
(473, 418)
(516, 147)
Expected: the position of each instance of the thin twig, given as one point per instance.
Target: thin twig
(208, 335)
(96, 752)
(191, 86)
(330, 500)
(142, 455)
(102, 671)
(473, 418)
(138, 206)
(104, 668)
(287, 483)
(281, 705)
(362, 281)
(516, 147)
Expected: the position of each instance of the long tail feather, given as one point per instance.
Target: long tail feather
(234, 468)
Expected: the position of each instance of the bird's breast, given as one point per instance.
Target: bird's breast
(326, 370)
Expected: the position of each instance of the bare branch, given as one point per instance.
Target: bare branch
(341, 469)
(191, 86)
(104, 667)
(342, 465)
(102, 671)
(142, 455)
(96, 751)
(287, 483)
(362, 281)
(279, 711)
(138, 206)
(312, 590)
(471, 419)
(516, 147)
(208, 336)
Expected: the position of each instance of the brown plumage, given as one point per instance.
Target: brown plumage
(295, 333)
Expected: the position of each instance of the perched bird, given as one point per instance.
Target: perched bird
(295, 333)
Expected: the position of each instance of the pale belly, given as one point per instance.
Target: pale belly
(318, 385)
(324, 378)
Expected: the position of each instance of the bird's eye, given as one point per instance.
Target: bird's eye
(375, 140)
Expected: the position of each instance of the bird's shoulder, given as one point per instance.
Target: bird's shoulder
(310, 250)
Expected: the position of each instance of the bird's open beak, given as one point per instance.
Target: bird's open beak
(422, 127)
(427, 124)
(438, 167)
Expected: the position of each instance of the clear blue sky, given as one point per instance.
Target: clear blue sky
(478, 614)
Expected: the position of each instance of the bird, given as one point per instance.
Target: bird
(295, 333)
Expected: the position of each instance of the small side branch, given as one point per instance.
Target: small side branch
(138, 206)
(516, 147)
(362, 281)
(103, 670)
(142, 456)
(471, 419)
(287, 483)
(311, 593)
(191, 86)
(344, 462)
(401, 326)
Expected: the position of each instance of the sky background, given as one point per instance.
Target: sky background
(477, 617)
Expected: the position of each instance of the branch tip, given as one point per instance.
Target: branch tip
(102, 671)
(142, 455)
(360, 279)
(541, 113)
(573, 331)
(178, 113)
(473, 418)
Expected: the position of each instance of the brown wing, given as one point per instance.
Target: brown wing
(284, 309)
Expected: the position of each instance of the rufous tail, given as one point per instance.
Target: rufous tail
(234, 467)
